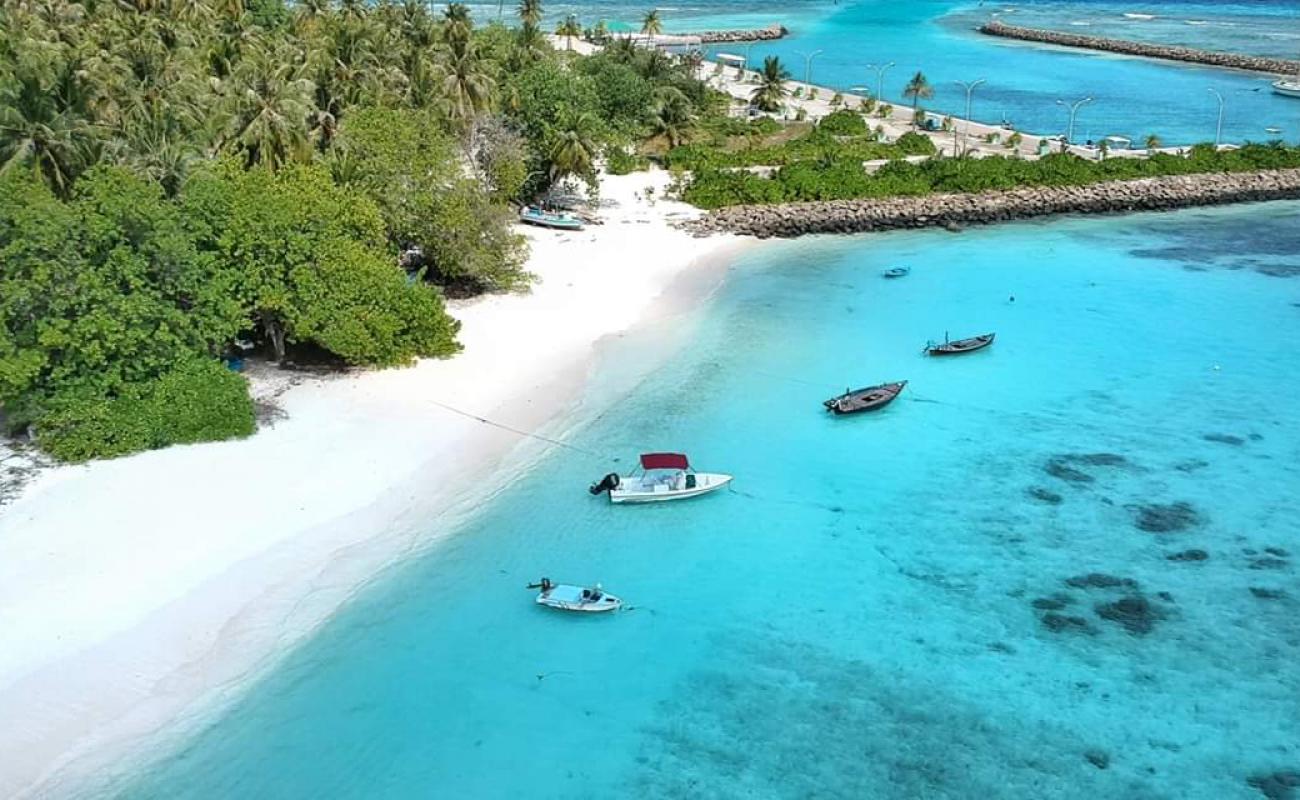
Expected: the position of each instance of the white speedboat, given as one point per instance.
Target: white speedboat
(1287, 87)
(575, 598)
(663, 476)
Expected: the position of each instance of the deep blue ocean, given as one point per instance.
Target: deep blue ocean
(1131, 97)
(1064, 567)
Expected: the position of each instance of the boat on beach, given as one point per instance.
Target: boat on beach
(1287, 87)
(662, 476)
(566, 597)
(896, 272)
(870, 398)
(550, 219)
(958, 346)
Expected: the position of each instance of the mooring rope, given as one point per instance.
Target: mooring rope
(519, 431)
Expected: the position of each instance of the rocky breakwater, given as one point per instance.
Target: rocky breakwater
(770, 33)
(1170, 53)
(955, 210)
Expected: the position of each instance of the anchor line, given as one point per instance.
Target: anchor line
(519, 431)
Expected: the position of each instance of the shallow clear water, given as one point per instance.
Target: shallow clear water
(1132, 97)
(857, 619)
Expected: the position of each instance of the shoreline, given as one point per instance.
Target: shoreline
(951, 211)
(135, 618)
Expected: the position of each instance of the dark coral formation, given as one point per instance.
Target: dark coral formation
(1269, 563)
(1134, 612)
(1054, 603)
(1167, 518)
(1096, 459)
(1056, 623)
(1224, 438)
(1100, 580)
(1188, 555)
(1098, 758)
(1059, 469)
(1268, 594)
(1280, 785)
(1044, 495)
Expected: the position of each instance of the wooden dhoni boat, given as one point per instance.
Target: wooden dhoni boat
(959, 346)
(870, 398)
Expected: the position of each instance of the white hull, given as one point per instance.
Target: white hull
(569, 598)
(638, 490)
(1287, 88)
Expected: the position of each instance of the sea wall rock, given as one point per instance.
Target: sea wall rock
(1144, 49)
(947, 210)
(770, 33)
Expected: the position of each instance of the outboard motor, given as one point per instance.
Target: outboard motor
(605, 484)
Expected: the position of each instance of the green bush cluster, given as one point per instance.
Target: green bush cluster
(197, 401)
(844, 179)
(843, 123)
(619, 161)
(820, 144)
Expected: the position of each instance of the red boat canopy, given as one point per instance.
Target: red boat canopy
(664, 461)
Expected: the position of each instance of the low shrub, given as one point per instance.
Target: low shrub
(197, 401)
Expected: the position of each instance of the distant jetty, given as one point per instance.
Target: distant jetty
(770, 33)
(1278, 66)
(955, 210)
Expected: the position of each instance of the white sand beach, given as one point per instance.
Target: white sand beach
(138, 593)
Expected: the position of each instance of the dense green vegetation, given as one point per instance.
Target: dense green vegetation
(844, 178)
(179, 175)
(840, 136)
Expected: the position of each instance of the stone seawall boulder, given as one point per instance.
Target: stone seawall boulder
(1279, 66)
(770, 33)
(956, 210)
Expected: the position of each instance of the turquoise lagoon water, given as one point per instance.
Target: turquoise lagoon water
(1132, 97)
(869, 613)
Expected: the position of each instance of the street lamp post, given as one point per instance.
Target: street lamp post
(970, 88)
(1218, 131)
(1074, 109)
(807, 65)
(880, 79)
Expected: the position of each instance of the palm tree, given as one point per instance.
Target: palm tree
(670, 114)
(654, 65)
(268, 104)
(45, 124)
(918, 88)
(569, 29)
(529, 43)
(771, 88)
(573, 151)
(1153, 142)
(466, 88)
(651, 25)
(456, 22)
(530, 12)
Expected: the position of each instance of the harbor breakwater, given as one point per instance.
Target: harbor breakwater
(952, 211)
(768, 34)
(1167, 52)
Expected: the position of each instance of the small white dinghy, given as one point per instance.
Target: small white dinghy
(663, 476)
(575, 598)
